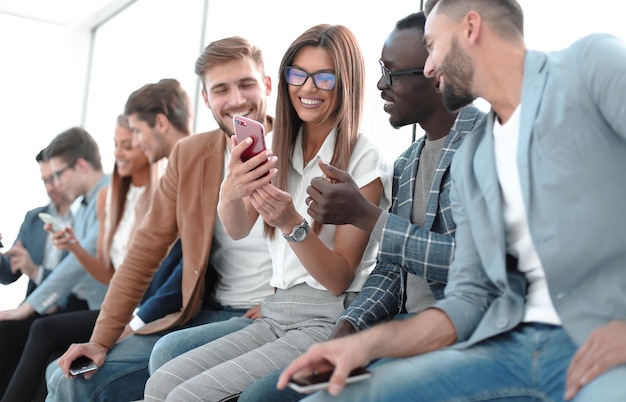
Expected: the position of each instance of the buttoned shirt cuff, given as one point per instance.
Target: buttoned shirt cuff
(377, 231)
(136, 322)
(39, 277)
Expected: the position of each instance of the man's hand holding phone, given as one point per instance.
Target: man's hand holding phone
(82, 365)
(62, 237)
(85, 357)
(340, 357)
(320, 381)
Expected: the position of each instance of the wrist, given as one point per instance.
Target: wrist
(343, 328)
(366, 215)
(298, 232)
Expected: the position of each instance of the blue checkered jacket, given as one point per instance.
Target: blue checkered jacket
(404, 247)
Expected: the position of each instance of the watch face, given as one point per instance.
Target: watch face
(300, 233)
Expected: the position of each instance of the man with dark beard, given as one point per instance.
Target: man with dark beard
(533, 309)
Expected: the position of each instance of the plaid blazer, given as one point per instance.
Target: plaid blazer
(404, 247)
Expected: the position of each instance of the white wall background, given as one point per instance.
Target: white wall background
(51, 78)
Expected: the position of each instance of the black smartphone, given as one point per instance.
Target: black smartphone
(316, 382)
(81, 365)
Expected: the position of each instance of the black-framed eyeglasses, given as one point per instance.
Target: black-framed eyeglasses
(388, 74)
(57, 175)
(297, 77)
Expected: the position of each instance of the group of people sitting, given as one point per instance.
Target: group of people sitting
(462, 272)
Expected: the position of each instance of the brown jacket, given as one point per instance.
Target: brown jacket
(185, 202)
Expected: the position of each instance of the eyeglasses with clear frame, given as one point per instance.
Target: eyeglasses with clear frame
(57, 175)
(322, 80)
(388, 74)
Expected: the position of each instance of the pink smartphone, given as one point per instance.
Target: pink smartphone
(245, 128)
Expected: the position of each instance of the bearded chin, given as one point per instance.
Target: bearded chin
(453, 100)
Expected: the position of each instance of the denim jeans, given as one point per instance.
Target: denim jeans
(264, 389)
(527, 364)
(125, 372)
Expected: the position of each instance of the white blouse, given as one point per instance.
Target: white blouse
(119, 245)
(366, 165)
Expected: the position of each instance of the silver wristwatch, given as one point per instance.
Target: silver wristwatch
(298, 233)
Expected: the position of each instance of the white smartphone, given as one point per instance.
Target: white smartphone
(244, 128)
(81, 365)
(317, 382)
(54, 224)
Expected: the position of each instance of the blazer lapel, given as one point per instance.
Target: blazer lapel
(484, 164)
(534, 81)
(449, 148)
(212, 174)
(406, 193)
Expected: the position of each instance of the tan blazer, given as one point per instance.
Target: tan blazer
(185, 202)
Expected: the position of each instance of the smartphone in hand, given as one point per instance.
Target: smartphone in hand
(81, 365)
(244, 128)
(317, 382)
(54, 224)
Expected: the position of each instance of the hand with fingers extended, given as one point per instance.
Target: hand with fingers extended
(341, 356)
(603, 350)
(336, 199)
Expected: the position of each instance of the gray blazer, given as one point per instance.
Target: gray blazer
(33, 238)
(572, 166)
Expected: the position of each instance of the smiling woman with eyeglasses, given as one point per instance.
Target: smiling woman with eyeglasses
(317, 269)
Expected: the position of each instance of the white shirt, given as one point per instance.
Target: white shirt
(121, 238)
(519, 244)
(244, 265)
(366, 165)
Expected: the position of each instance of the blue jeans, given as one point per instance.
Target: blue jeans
(527, 364)
(264, 389)
(124, 375)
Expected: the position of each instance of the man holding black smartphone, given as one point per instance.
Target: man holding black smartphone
(184, 205)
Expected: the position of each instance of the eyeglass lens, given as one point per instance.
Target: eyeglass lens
(297, 77)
